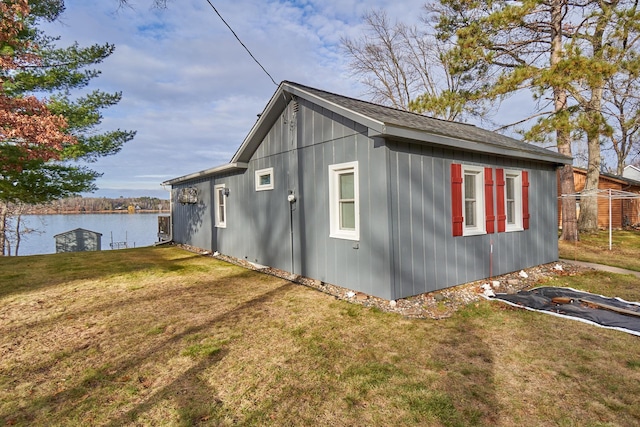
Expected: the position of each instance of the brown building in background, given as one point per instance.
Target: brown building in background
(625, 211)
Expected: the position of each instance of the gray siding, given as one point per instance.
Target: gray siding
(300, 147)
(258, 222)
(426, 255)
(193, 223)
(326, 139)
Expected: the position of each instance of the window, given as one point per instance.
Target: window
(221, 205)
(344, 212)
(472, 194)
(512, 196)
(472, 208)
(264, 179)
(513, 200)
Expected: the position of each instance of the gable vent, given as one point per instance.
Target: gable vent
(295, 106)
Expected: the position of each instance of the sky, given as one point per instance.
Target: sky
(190, 90)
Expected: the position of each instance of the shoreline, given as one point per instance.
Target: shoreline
(116, 212)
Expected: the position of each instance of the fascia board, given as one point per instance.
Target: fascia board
(375, 125)
(229, 167)
(274, 108)
(415, 135)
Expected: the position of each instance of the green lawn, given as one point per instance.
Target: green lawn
(594, 247)
(161, 336)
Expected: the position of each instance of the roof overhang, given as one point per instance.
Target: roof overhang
(623, 180)
(404, 134)
(226, 168)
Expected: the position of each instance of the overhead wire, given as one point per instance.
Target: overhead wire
(240, 41)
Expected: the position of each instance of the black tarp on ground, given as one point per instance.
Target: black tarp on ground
(540, 299)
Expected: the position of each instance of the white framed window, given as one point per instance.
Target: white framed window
(473, 200)
(264, 179)
(513, 200)
(219, 192)
(344, 205)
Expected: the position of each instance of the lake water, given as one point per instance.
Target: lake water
(140, 229)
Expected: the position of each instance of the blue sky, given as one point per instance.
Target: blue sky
(189, 88)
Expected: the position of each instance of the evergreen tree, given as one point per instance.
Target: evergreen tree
(42, 142)
(59, 72)
(562, 51)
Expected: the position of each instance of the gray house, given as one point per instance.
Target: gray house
(374, 199)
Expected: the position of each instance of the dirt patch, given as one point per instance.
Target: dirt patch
(434, 305)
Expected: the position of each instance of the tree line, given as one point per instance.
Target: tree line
(99, 205)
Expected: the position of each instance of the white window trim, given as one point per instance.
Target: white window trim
(217, 195)
(480, 227)
(334, 193)
(517, 189)
(263, 172)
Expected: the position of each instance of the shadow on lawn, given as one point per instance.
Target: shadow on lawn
(133, 299)
(37, 272)
(467, 370)
(188, 390)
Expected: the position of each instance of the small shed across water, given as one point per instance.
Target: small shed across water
(78, 240)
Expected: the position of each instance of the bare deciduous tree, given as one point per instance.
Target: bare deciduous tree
(410, 69)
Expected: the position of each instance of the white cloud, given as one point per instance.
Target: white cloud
(190, 89)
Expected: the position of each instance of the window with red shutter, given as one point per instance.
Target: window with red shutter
(471, 200)
(512, 200)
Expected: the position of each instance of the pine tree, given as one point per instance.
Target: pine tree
(564, 52)
(43, 141)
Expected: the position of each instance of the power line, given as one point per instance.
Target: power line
(240, 41)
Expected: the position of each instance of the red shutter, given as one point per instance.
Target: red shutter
(456, 199)
(488, 200)
(502, 217)
(525, 200)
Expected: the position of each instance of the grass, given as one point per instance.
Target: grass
(594, 247)
(160, 336)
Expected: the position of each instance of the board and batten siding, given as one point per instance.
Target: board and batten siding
(426, 255)
(325, 139)
(193, 222)
(300, 146)
(258, 222)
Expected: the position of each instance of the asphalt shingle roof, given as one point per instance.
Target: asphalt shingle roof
(414, 121)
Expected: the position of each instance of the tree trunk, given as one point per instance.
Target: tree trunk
(563, 137)
(588, 220)
(568, 204)
(18, 236)
(3, 228)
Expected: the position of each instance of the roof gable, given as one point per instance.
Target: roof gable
(396, 124)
